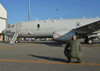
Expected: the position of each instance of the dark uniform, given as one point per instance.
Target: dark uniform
(73, 50)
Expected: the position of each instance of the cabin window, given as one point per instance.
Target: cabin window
(78, 24)
(38, 25)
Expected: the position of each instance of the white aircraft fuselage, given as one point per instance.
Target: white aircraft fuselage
(48, 28)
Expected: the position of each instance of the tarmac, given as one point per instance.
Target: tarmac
(46, 56)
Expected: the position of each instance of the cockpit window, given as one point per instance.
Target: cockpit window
(11, 26)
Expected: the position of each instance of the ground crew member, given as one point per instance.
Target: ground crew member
(73, 50)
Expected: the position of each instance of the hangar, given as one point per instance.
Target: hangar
(3, 21)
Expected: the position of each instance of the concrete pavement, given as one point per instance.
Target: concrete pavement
(46, 56)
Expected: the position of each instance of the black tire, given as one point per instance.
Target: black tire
(90, 41)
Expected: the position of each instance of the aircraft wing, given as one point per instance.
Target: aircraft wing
(89, 28)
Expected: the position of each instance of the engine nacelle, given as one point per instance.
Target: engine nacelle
(63, 35)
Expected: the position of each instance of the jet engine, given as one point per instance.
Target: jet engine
(63, 35)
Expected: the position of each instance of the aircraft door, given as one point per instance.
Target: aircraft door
(18, 27)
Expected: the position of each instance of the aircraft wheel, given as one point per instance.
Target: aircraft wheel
(16, 41)
(90, 41)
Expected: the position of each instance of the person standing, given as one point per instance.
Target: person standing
(73, 50)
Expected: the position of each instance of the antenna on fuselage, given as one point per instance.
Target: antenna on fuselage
(29, 11)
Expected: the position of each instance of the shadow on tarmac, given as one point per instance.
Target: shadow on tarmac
(49, 58)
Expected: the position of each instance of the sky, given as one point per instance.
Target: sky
(50, 9)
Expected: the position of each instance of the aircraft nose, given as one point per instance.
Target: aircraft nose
(6, 31)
